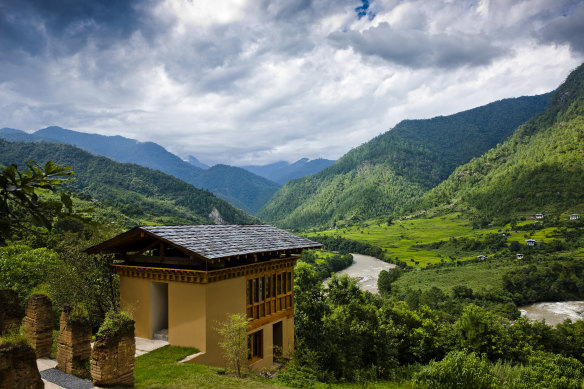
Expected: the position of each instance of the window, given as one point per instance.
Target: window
(269, 293)
(255, 346)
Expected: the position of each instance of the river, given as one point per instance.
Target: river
(366, 269)
(554, 313)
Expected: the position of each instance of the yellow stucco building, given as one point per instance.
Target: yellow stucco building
(184, 280)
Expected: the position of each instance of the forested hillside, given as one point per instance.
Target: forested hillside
(382, 175)
(137, 191)
(539, 169)
(249, 192)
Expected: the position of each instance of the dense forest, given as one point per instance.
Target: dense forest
(138, 192)
(382, 175)
(540, 168)
(239, 187)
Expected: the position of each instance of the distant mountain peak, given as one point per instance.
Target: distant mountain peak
(195, 162)
(282, 171)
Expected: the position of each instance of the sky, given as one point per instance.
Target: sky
(253, 82)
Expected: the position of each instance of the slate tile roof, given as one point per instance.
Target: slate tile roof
(217, 241)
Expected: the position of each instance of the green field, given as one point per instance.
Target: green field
(481, 276)
(400, 238)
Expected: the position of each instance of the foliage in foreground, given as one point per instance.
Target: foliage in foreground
(233, 342)
(467, 370)
(345, 334)
(20, 205)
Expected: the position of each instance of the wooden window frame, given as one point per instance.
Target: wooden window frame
(255, 346)
(264, 302)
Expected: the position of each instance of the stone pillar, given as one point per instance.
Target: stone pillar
(11, 313)
(113, 358)
(38, 324)
(74, 348)
(18, 368)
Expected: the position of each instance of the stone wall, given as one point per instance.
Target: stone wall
(11, 313)
(38, 324)
(112, 361)
(74, 349)
(18, 368)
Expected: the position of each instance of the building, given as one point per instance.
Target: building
(575, 216)
(184, 280)
(530, 242)
(520, 256)
(539, 215)
(482, 257)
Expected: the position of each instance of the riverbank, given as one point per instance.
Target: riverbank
(366, 269)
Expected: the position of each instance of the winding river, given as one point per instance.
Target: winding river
(554, 313)
(366, 269)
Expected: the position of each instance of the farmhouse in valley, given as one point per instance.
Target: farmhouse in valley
(575, 216)
(183, 280)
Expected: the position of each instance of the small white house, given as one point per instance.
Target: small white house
(530, 242)
(482, 257)
(575, 216)
(539, 215)
(519, 256)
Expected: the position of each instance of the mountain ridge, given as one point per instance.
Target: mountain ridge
(282, 171)
(249, 192)
(383, 175)
(134, 189)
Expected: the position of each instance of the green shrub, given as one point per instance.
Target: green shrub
(549, 371)
(298, 377)
(23, 268)
(115, 325)
(457, 370)
(13, 336)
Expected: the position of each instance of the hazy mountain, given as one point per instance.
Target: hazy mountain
(136, 191)
(381, 176)
(282, 171)
(246, 191)
(195, 162)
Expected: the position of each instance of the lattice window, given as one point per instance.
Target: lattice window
(269, 292)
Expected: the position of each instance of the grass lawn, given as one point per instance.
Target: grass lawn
(159, 369)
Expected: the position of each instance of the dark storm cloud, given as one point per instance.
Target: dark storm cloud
(419, 49)
(567, 28)
(65, 26)
(259, 80)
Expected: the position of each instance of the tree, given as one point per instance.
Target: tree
(19, 202)
(233, 332)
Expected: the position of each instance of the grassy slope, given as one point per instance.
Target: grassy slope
(399, 237)
(159, 369)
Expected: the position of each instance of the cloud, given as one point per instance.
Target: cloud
(239, 82)
(418, 49)
(567, 28)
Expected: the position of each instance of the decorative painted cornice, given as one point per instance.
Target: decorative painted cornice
(200, 276)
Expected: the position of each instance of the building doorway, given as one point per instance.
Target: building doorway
(277, 336)
(159, 310)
